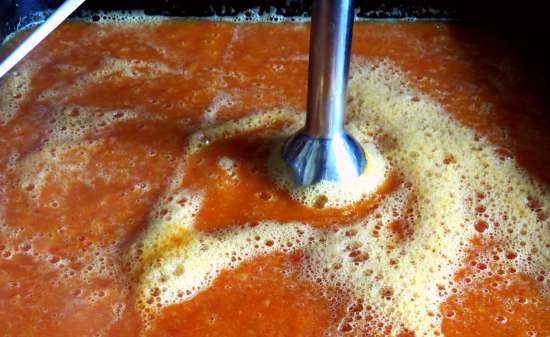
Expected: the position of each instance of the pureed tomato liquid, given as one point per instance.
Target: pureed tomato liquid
(141, 192)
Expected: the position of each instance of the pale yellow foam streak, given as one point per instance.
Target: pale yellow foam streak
(14, 87)
(415, 135)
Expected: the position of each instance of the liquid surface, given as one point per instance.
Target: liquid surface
(140, 194)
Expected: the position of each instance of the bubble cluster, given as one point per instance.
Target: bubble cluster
(13, 90)
(256, 15)
(122, 17)
(220, 101)
(397, 263)
(139, 17)
(333, 194)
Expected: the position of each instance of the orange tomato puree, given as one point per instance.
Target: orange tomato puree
(258, 300)
(67, 217)
(252, 186)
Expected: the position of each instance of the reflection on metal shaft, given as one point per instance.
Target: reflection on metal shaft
(323, 150)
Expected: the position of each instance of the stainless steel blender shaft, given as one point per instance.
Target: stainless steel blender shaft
(323, 150)
(329, 50)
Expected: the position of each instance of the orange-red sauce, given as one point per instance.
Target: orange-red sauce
(238, 304)
(62, 265)
(254, 189)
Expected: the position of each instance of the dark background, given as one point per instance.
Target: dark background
(531, 14)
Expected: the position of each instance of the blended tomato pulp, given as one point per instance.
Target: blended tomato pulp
(137, 196)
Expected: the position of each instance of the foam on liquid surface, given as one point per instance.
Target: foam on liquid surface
(455, 183)
(443, 167)
(336, 195)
